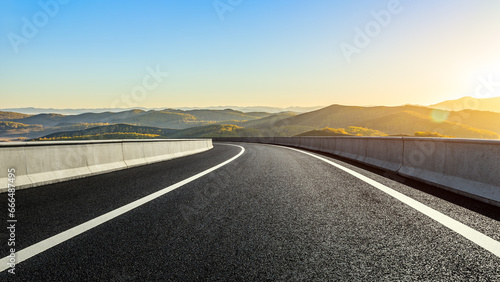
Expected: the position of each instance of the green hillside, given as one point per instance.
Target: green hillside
(325, 132)
(349, 131)
(216, 130)
(102, 136)
(46, 120)
(167, 119)
(11, 115)
(227, 114)
(9, 125)
(124, 131)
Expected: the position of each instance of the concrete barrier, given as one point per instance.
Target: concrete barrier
(105, 157)
(265, 140)
(353, 148)
(384, 152)
(40, 163)
(469, 167)
(465, 166)
(311, 143)
(14, 156)
(423, 159)
(133, 153)
(288, 141)
(328, 145)
(53, 161)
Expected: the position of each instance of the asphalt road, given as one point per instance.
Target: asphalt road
(271, 214)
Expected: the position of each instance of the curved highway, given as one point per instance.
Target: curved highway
(251, 212)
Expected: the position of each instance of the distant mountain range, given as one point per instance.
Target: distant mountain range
(17, 126)
(35, 111)
(333, 120)
(470, 103)
(168, 118)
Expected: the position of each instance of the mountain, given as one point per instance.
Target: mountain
(9, 125)
(470, 103)
(403, 120)
(35, 126)
(216, 130)
(115, 131)
(35, 111)
(12, 115)
(167, 118)
(268, 121)
(333, 120)
(126, 131)
(325, 132)
(47, 120)
(349, 131)
(273, 110)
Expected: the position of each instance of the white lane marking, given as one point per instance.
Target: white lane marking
(48, 243)
(473, 235)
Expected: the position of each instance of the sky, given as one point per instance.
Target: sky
(201, 53)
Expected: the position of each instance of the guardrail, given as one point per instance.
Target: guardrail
(45, 162)
(470, 167)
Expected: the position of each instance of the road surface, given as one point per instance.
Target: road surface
(267, 213)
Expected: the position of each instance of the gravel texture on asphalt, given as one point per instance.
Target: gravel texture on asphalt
(272, 214)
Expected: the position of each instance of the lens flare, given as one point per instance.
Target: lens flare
(439, 115)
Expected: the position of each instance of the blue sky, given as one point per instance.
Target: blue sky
(98, 54)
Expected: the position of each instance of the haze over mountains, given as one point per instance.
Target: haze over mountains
(470, 103)
(332, 120)
(35, 111)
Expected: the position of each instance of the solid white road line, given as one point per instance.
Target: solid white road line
(477, 237)
(48, 243)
